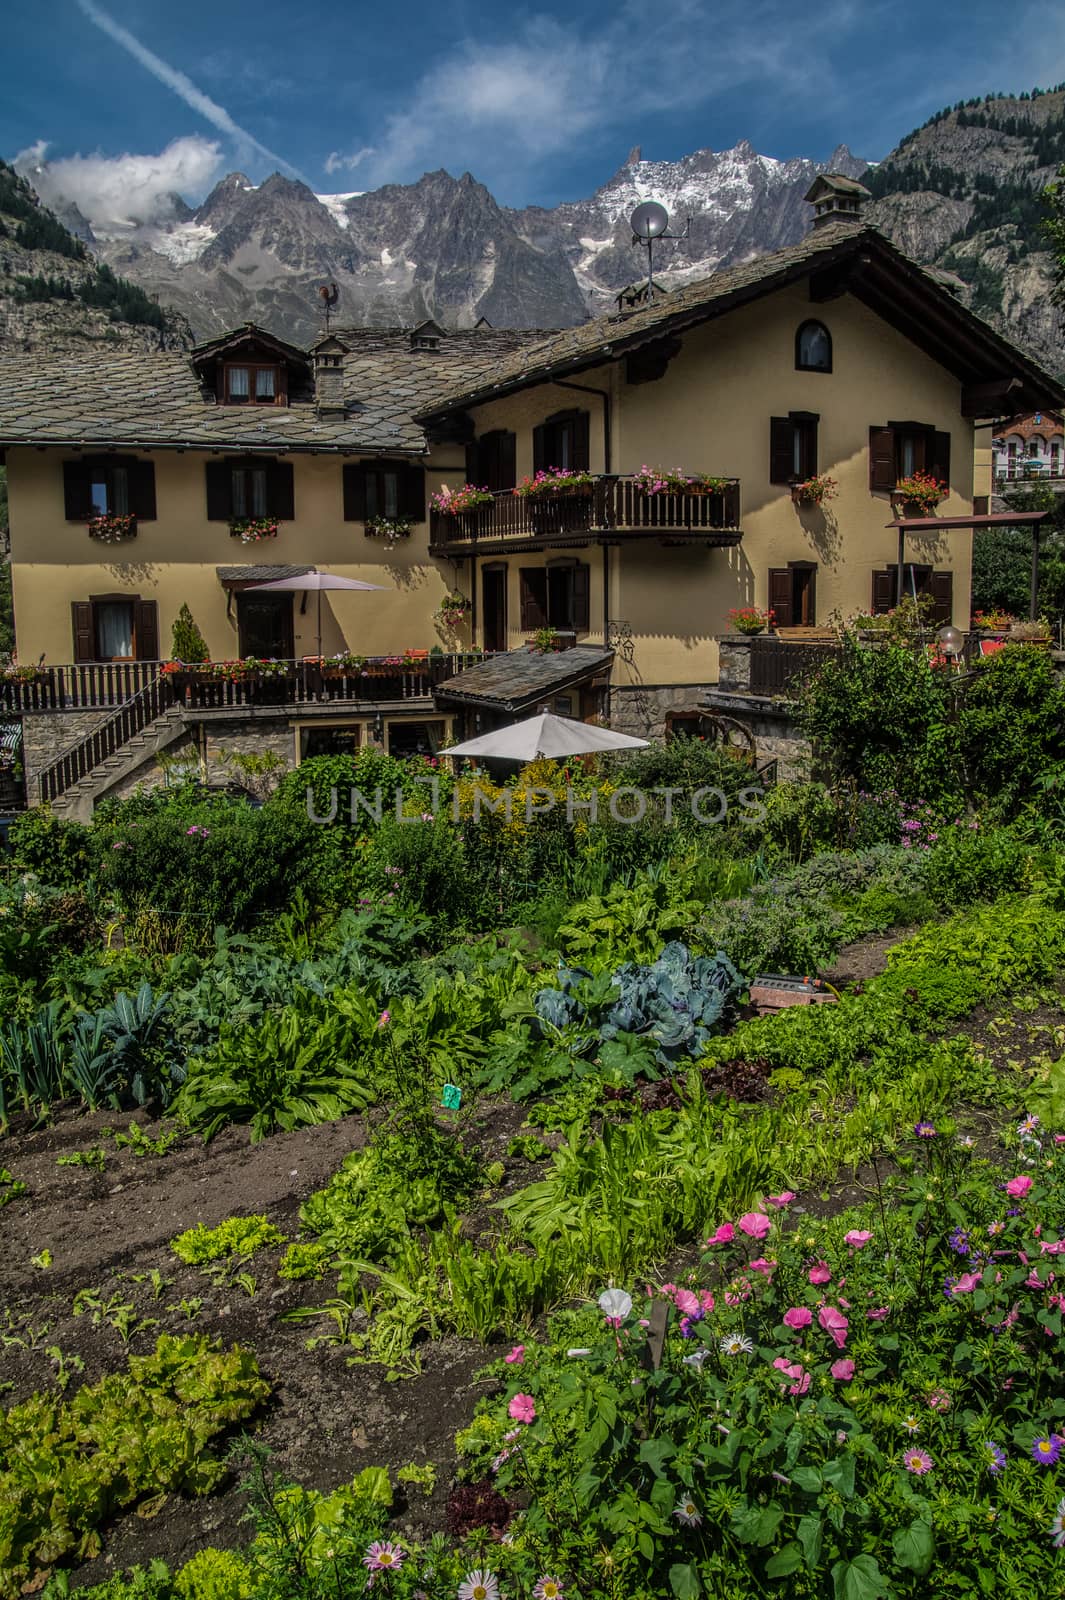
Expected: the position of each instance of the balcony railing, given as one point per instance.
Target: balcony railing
(103, 685)
(614, 506)
(778, 665)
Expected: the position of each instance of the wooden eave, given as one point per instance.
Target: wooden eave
(997, 519)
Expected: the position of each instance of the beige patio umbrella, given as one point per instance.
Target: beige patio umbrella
(544, 735)
(315, 582)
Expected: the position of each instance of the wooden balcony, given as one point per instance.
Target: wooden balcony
(613, 511)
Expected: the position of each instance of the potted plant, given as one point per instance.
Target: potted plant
(187, 643)
(545, 641)
(560, 499)
(750, 619)
(252, 530)
(815, 491)
(459, 502)
(919, 494)
(345, 664)
(994, 621)
(659, 480)
(1037, 632)
(113, 527)
(390, 529)
(453, 610)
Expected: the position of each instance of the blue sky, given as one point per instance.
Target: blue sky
(131, 99)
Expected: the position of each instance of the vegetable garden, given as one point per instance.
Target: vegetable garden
(419, 1205)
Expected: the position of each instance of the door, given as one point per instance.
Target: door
(494, 597)
(264, 626)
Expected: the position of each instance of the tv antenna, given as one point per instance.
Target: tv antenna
(650, 221)
(328, 295)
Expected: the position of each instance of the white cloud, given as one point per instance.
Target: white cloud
(116, 191)
(335, 162)
(182, 86)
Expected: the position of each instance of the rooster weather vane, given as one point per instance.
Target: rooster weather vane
(328, 295)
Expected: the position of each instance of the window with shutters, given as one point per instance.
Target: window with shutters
(109, 486)
(793, 447)
(555, 596)
(251, 486)
(115, 627)
(387, 489)
(917, 580)
(813, 348)
(563, 441)
(248, 384)
(792, 594)
(492, 461)
(902, 448)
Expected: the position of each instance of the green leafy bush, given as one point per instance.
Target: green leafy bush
(237, 1236)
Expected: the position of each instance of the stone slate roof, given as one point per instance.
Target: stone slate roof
(261, 572)
(144, 399)
(519, 679)
(611, 337)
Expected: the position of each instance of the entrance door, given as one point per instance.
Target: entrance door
(264, 626)
(494, 593)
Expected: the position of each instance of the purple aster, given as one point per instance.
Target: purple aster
(959, 1242)
(996, 1457)
(924, 1130)
(383, 1556)
(1046, 1450)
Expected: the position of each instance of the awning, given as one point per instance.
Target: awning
(996, 519)
(263, 572)
(519, 680)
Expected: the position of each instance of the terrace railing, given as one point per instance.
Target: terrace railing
(778, 665)
(613, 505)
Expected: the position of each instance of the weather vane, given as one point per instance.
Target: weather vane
(650, 221)
(328, 294)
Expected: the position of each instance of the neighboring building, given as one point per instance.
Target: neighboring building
(1031, 446)
(837, 356)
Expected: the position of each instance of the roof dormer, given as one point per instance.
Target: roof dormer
(426, 336)
(250, 367)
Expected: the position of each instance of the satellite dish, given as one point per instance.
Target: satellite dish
(649, 220)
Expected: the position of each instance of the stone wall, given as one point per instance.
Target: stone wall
(776, 737)
(47, 734)
(642, 709)
(734, 662)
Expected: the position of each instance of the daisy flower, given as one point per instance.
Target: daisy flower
(686, 1512)
(996, 1457)
(480, 1585)
(735, 1344)
(382, 1556)
(1057, 1527)
(1046, 1451)
(911, 1424)
(918, 1461)
(548, 1589)
(1028, 1126)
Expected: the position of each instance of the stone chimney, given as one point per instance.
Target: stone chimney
(328, 355)
(836, 198)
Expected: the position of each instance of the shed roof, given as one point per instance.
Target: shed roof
(520, 679)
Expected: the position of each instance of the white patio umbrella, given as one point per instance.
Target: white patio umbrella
(314, 582)
(544, 735)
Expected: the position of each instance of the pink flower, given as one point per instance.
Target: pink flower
(857, 1238)
(1056, 1247)
(878, 1315)
(706, 1300)
(516, 1356)
(819, 1273)
(1017, 1188)
(762, 1265)
(792, 1368)
(384, 1019)
(802, 1385)
(686, 1302)
(835, 1325)
(798, 1317)
(967, 1282)
(724, 1235)
(522, 1408)
(784, 1198)
(755, 1224)
(842, 1371)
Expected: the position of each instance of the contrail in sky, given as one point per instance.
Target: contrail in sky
(182, 86)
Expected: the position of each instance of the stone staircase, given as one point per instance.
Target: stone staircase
(145, 724)
(77, 802)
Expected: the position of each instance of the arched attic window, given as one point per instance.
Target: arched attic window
(813, 348)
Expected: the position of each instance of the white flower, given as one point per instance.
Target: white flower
(696, 1359)
(687, 1512)
(1057, 1527)
(735, 1344)
(479, 1585)
(615, 1303)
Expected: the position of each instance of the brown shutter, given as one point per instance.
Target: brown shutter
(412, 492)
(219, 491)
(882, 474)
(146, 630)
(942, 592)
(781, 450)
(808, 597)
(808, 447)
(780, 588)
(508, 460)
(532, 583)
(81, 622)
(473, 462)
(582, 577)
(940, 453)
(884, 584)
(142, 490)
(540, 460)
(582, 441)
(280, 493)
(354, 492)
(981, 505)
(76, 491)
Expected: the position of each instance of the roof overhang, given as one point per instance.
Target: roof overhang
(511, 683)
(997, 519)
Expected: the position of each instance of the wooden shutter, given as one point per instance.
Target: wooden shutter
(940, 457)
(781, 450)
(77, 492)
(81, 624)
(532, 585)
(882, 474)
(142, 490)
(804, 592)
(582, 445)
(412, 492)
(780, 588)
(582, 576)
(473, 461)
(942, 592)
(146, 630)
(508, 460)
(280, 493)
(884, 584)
(354, 492)
(219, 491)
(807, 446)
(981, 505)
(540, 460)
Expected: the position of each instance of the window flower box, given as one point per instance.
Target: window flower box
(555, 482)
(919, 494)
(253, 530)
(657, 480)
(459, 502)
(751, 620)
(113, 528)
(815, 491)
(389, 529)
